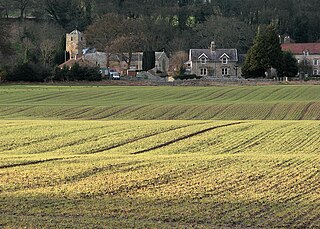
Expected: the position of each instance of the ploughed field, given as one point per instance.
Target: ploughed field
(220, 103)
(204, 173)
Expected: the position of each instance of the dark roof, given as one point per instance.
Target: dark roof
(299, 48)
(82, 62)
(214, 55)
(136, 56)
(121, 56)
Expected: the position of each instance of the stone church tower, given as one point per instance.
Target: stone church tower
(75, 43)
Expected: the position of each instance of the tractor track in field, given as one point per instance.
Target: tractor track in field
(142, 137)
(50, 138)
(270, 112)
(21, 110)
(305, 109)
(34, 162)
(185, 137)
(120, 110)
(40, 97)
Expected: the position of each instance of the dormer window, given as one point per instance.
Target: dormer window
(203, 58)
(224, 60)
(306, 53)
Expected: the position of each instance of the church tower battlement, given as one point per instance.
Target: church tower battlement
(75, 43)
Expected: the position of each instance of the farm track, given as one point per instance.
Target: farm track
(30, 163)
(185, 137)
(85, 140)
(142, 137)
(270, 112)
(305, 109)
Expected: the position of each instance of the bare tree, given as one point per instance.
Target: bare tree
(5, 49)
(22, 5)
(6, 5)
(104, 31)
(47, 50)
(70, 14)
(126, 46)
(177, 61)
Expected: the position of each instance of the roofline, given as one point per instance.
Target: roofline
(202, 55)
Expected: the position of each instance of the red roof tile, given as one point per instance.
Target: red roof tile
(299, 48)
(80, 61)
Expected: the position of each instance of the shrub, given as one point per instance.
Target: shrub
(77, 73)
(28, 72)
(186, 77)
(3, 74)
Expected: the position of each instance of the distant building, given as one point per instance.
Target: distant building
(79, 53)
(307, 54)
(75, 43)
(213, 62)
(161, 62)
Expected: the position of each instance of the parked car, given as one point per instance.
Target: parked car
(114, 75)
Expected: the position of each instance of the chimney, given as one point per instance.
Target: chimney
(287, 40)
(213, 46)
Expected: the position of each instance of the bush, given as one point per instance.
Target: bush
(3, 74)
(60, 74)
(77, 73)
(28, 72)
(186, 77)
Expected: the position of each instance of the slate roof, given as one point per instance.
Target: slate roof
(119, 57)
(214, 55)
(299, 48)
(75, 32)
(136, 56)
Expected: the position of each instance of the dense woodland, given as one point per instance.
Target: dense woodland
(32, 31)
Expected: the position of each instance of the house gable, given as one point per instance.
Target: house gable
(224, 55)
(203, 58)
(224, 58)
(203, 55)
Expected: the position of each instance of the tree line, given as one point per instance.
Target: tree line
(37, 36)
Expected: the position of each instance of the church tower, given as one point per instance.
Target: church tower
(75, 43)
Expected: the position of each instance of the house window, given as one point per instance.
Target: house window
(203, 71)
(224, 60)
(71, 38)
(315, 62)
(298, 60)
(306, 53)
(224, 71)
(315, 72)
(203, 60)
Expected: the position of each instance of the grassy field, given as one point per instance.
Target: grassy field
(202, 173)
(110, 102)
